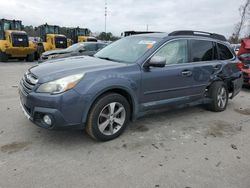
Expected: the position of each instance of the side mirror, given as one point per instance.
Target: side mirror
(157, 61)
(82, 50)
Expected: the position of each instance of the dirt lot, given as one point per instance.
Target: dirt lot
(184, 148)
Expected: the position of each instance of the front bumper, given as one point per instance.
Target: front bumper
(64, 109)
(19, 51)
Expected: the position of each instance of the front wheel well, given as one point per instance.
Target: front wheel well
(122, 92)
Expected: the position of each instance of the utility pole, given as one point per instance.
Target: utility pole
(105, 17)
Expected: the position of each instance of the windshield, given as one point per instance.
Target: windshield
(74, 47)
(128, 49)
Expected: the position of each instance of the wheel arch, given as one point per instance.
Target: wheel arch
(120, 90)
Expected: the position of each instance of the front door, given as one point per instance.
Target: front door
(172, 83)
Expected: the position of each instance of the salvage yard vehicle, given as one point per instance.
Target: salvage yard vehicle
(80, 35)
(245, 68)
(244, 56)
(51, 39)
(129, 78)
(81, 48)
(129, 33)
(14, 42)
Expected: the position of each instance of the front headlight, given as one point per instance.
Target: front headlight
(60, 85)
(52, 56)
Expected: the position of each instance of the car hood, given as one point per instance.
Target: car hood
(54, 52)
(56, 69)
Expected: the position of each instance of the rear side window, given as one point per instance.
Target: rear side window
(202, 50)
(224, 52)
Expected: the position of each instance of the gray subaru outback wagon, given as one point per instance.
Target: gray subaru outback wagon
(129, 78)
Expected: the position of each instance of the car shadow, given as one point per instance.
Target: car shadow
(76, 138)
(246, 88)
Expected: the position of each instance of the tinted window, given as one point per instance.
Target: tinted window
(224, 52)
(202, 50)
(90, 47)
(174, 52)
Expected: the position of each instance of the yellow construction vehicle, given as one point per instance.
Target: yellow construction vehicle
(14, 43)
(51, 39)
(80, 35)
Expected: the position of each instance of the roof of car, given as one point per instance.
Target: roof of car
(207, 36)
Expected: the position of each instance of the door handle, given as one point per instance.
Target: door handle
(186, 73)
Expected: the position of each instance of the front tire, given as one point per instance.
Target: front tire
(218, 92)
(108, 117)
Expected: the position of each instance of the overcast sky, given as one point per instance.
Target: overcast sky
(161, 15)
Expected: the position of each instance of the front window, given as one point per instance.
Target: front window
(60, 42)
(128, 49)
(174, 52)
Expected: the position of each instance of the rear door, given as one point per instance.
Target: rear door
(204, 62)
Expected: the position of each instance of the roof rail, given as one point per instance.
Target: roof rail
(198, 33)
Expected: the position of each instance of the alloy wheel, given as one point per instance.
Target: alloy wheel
(111, 118)
(222, 97)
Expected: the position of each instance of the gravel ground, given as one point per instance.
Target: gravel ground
(185, 148)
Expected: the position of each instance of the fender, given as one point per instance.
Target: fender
(100, 87)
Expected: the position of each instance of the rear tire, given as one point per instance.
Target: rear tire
(3, 57)
(218, 92)
(108, 117)
(30, 57)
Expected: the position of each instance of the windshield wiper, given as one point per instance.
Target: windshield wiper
(107, 58)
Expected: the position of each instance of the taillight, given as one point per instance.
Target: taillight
(240, 65)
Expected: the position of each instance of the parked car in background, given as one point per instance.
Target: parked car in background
(81, 48)
(128, 79)
(244, 56)
(236, 47)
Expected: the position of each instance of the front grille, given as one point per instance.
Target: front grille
(20, 40)
(28, 82)
(61, 42)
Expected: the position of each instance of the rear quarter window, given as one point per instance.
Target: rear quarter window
(224, 52)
